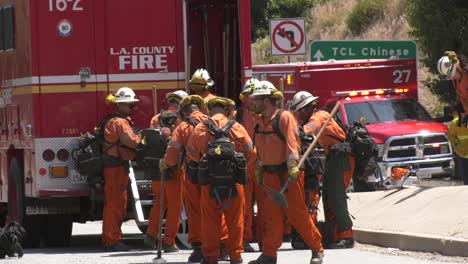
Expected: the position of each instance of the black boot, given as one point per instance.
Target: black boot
(197, 255)
(222, 253)
(263, 259)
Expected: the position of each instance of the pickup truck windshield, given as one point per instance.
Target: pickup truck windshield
(396, 110)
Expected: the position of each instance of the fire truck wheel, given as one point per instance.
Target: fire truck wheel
(59, 230)
(16, 205)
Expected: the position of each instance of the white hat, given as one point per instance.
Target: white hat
(125, 95)
(300, 100)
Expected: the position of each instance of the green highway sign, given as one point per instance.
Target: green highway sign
(356, 49)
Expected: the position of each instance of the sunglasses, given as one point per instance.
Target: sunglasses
(131, 106)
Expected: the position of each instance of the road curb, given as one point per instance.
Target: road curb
(413, 242)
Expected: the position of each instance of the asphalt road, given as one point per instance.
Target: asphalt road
(86, 248)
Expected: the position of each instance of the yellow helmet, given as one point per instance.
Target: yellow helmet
(227, 103)
(193, 99)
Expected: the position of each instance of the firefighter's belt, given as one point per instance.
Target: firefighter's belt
(112, 162)
(283, 167)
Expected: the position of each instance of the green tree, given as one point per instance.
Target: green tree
(439, 25)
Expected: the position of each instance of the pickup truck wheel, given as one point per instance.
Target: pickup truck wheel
(16, 206)
(59, 230)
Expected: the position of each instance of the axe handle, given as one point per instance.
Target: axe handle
(301, 161)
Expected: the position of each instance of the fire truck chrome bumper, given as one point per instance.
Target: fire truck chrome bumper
(427, 168)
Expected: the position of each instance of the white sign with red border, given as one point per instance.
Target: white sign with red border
(287, 36)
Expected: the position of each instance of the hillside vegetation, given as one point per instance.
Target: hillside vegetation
(355, 20)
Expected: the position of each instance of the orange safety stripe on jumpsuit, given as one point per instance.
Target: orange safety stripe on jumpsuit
(172, 201)
(252, 187)
(211, 211)
(272, 150)
(332, 135)
(116, 178)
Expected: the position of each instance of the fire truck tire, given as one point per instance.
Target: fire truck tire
(59, 230)
(16, 206)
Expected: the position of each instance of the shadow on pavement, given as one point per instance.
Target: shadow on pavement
(420, 190)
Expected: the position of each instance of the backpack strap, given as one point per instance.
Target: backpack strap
(275, 126)
(192, 121)
(216, 131)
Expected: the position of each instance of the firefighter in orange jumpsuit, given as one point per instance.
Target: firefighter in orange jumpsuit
(172, 185)
(173, 99)
(246, 117)
(191, 111)
(119, 149)
(277, 161)
(230, 200)
(201, 83)
(339, 169)
(455, 68)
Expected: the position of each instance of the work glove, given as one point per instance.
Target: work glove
(163, 165)
(293, 169)
(259, 174)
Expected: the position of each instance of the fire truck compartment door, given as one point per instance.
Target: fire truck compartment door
(67, 67)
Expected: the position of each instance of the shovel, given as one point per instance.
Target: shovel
(278, 197)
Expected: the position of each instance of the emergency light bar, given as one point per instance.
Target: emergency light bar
(370, 92)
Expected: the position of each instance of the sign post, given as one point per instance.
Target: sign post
(287, 36)
(354, 50)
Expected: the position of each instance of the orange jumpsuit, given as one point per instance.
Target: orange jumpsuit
(172, 202)
(116, 178)
(207, 96)
(274, 151)
(212, 212)
(191, 191)
(252, 187)
(332, 135)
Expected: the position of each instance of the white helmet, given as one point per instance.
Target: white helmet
(201, 77)
(446, 67)
(180, 94)
(300, 100)
(263, 88)
(125, 95)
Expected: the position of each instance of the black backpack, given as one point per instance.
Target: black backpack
(220, 157)
(364, 149)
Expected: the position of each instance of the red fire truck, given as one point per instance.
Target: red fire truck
(383, 94)
(58, 61)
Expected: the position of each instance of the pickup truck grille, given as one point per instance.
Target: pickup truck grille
(416, 147)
